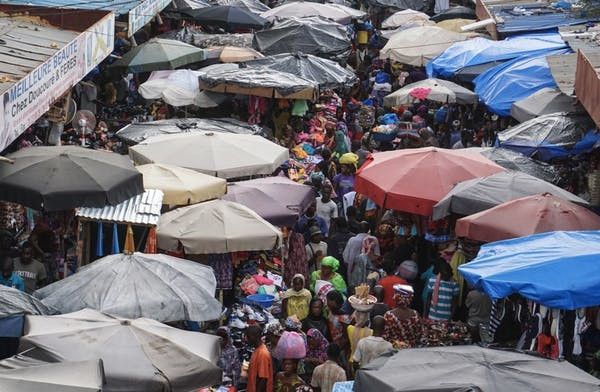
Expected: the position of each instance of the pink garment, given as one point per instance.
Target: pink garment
(436, 290)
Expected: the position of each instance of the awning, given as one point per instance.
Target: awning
(142, 210)
(139, 12)
(42, 62)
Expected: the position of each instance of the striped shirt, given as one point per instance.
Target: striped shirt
(446, 293)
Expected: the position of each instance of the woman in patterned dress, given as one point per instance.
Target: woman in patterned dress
(403, 325)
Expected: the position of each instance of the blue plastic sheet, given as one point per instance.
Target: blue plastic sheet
(499, 87)
(12, 326)
(542, 18)
(559, 269)
(482, 50)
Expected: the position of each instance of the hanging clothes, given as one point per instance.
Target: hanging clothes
(100, 241)
(458, 259)
(295, 262)
(115, 240)
(222, 266)
(151, 241)
(129, 246)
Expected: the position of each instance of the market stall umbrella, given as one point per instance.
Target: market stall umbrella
(227, 16)
(313, 35)
(158, 54)
(555, 135)
(224, 155)
(154, 286)
(558, 269)
(325, 73)
(459, 12)
(138, 132)
(182, 186)
(257, 82)
(232, 54)
(387, 34)
(402, 18)
(526, 216)
(138, 355)
(254, 6)
(13, 301)
(418, 45)
(545, 101)
(278, 200)
(62, 178)
(414, 180)
(469, 368)
(174, 87)
(300, 9)
(479, 194)
(455, 24)
(512, 160)
(217, 226)
(23, 374)
(438, 90)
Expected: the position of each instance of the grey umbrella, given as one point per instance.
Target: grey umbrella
(13, 301)
(155, 286)
(479, 194)
(544, 101)
(326, 73)
(61, 178)
(470, 369)
(158, 54)
(513, 160)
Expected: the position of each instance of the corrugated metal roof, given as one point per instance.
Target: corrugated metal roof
(117, 6)
(24, 45)
(142, 209)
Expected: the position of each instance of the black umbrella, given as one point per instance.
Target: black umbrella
(459, 12)
(226, 16)
(61, 178)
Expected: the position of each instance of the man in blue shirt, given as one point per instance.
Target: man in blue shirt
(8, 277)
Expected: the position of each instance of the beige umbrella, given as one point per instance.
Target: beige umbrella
(182, 186)
(455, 24)
(216, 226)
(233, 54)
(224, 155)
(417, 45)
(404, 17)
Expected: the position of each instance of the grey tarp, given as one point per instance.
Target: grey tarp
(198, 38)
(137, 133)
(23, 374)
(138, 355)
(255, 81)
(513, 160)
(479, 194)
(254, 6)
(312, 35)
(544, 101)
(156, 286)
(468, 74)
(65, 177)
(416, 5)
(13, 301)
(470, 369)
(458, 12)
(326, 73)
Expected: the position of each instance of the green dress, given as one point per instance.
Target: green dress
(336, 281)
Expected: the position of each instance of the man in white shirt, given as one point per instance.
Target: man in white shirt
(326, 208)
(327, 374)
(370, 347)
(316, 249)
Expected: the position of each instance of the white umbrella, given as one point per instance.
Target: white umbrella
(138, 355)
(417, 45)
(177, 88)
(13, 301)
(387, 34)
(225, 155)
(182, 186)
(216, 226)
(438, 90)
(156, 286)
(23, 374)
(404, 17)
(336, 12)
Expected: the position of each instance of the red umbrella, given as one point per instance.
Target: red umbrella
(414, 180)
(526, 216)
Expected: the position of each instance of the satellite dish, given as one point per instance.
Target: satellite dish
(84, 122)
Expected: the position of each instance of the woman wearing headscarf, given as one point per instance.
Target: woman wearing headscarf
(297, 298)
(403, 325)
(315, 319)
(316, 352)
(328, 273)
(359, 267)
(229, 361)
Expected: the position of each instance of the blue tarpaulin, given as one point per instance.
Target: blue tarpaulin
(499, 87)
(12, 326)
(482, 50)
(532, 17)
(558, 269)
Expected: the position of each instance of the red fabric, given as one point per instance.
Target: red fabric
(388, 283)
(420, 93)
(414, 180)
(526, 216)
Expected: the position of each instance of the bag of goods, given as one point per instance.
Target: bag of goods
(291, 345)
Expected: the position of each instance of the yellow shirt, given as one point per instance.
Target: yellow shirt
(355, 334)
(298, 303)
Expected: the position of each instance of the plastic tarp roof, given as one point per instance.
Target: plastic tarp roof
(479, 50)
(313, 35)
(416, 5)
(469, 369)
(545, 101)
(499, 87)
(555, 135)
(559, 269)
(13, 301)
(326, 73)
